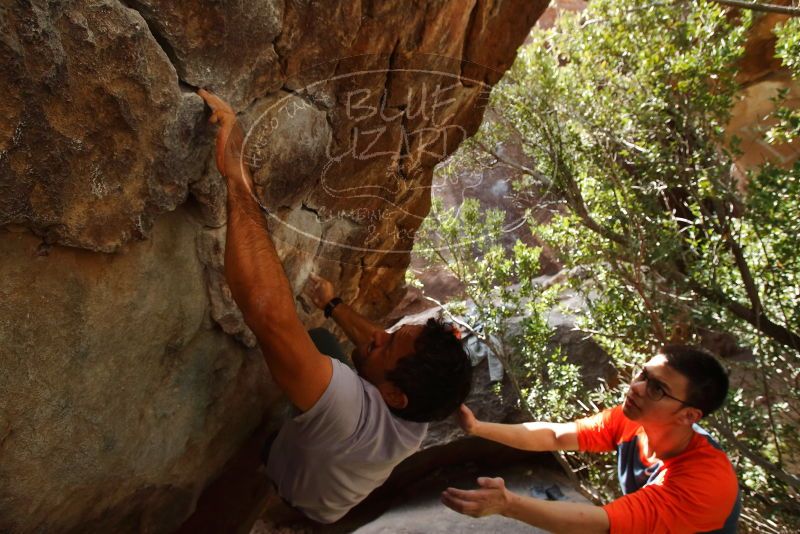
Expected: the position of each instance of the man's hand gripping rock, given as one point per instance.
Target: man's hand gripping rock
(319, 291)
(230, 140)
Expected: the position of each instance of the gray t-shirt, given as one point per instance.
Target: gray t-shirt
(328, 459)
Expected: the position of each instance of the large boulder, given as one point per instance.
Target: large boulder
(97, 135)
(117, 399)
(127, 376)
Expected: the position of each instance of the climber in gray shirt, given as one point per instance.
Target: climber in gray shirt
(353, 426)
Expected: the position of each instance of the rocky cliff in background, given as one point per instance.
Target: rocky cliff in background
(127, 378)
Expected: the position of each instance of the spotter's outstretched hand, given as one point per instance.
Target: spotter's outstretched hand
(466, 419)
(491, 498)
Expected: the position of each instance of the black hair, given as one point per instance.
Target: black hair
(436, 378)
(708, 380)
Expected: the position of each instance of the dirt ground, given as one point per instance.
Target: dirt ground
(419, 510)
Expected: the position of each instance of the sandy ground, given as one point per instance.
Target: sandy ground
(419, 511)
(424, 513)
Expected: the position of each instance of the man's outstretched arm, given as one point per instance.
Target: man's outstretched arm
(255, 275)
(535, 436)
(492, 497)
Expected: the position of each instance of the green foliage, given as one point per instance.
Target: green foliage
(787, 48)
(788, 45)
(620, 112)
(509, 308)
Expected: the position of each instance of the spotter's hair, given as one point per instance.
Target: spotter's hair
(708, 380)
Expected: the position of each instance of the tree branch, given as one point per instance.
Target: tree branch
(785, 477)
(738, 257)
(634, 280)
(760, 321)
(513, 164)
(764, 8)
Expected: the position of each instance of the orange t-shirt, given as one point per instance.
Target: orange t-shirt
(696, 491)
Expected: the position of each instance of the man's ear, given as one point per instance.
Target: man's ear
(691, 415)
(393, 395)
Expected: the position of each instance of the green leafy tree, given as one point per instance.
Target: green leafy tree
(504, 306)
(787, 49)
(508, 309)
(618, 115)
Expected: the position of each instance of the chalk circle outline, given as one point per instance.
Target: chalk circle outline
(509, 227)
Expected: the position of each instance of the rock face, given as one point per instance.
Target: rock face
(762, 77)
(127, 377)
(97, 135)
(115, 390)
(751, 118)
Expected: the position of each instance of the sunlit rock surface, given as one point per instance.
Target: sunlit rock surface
(127, 377)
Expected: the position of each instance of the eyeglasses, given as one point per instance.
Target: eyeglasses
(655, 389)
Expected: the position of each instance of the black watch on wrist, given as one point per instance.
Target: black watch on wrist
(328, 311)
